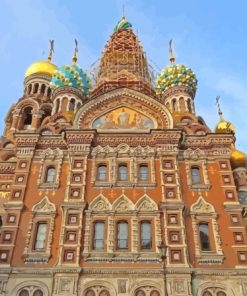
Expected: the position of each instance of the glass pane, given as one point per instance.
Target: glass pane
(41, 236)
(50, 175)
(38, 293)
(155, 293)
(24, 293)
(195, 173)
(143, 173)
(102, 173)
(204, 237)
(90, 293)
(122, 173)
(123, 235)
(146, 242)
(99, 232)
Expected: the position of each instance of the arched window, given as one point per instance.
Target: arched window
(143, 172)
(174, 105)
(38, 293)
(36, 87)
(41, 234)
(189, 105)
(122, 235)
(154, 293)
(101, 173)
(46, 112)
(123, 172)
(27, 116)
(50, 175)
(204, 236)
(195, 175)
(99, 235)
(90, 292)
(72, 105)
(42, 89)
(29, 89)
(48, 92)
(146, 238)
(206, 293)
(24, 293)
(140, 293)
(104, 293)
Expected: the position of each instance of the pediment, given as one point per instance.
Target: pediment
(99, 204)
(146, 204)
(123, 204)
(202, 207)
(44, 207)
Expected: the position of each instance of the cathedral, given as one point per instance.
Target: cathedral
(111, 183)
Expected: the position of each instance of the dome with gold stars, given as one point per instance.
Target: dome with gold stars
(238, 158)
(41, 67)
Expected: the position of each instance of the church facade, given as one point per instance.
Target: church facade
(115, 186)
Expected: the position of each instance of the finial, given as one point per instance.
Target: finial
(172, 56)
(51, 50)
(218, 106)
(75, 57)
(123, 12)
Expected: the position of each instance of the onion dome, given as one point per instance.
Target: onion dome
(41, 67)
(223, 127)
(70, 75)
(123, 25)
(176, 75)
(238, 158)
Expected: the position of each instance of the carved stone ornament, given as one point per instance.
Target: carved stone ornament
(100, 203)
(202, 207)
(44, 207)
(123, 204)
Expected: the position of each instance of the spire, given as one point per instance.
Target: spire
(218, 106)
(223, 126)
(75, 56)
(123, 12)
(51, 50)
(172, 57)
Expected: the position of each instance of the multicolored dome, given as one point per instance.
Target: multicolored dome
(238, 158)
(176, 75)
(123, 25)
(71, 75)
(41, 67)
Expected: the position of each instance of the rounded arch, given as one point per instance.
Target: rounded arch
(149, 285)
(134, 100)
(27, 285)
(215, 286)
(27, 103)
(104, 285)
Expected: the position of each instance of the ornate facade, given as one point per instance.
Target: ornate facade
(117, 186)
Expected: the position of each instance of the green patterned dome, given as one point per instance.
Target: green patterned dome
(123, 25)
(70, 75)
(176, 75)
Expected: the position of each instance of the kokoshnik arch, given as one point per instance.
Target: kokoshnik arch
(115, 186)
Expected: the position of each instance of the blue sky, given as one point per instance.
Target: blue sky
(209, 37)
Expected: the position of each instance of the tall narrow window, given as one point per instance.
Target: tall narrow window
(143, 172)
(101, 174)
(27, 116)
(122, 235)
(123, 172)
(50, 175)
(146, 239)
(99, 234)
(72, 105)
(41, 234)
(204, 237)
(195, 175)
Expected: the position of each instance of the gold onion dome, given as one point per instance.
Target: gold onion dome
(224, 127)
(41, 67)
(238, 158)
